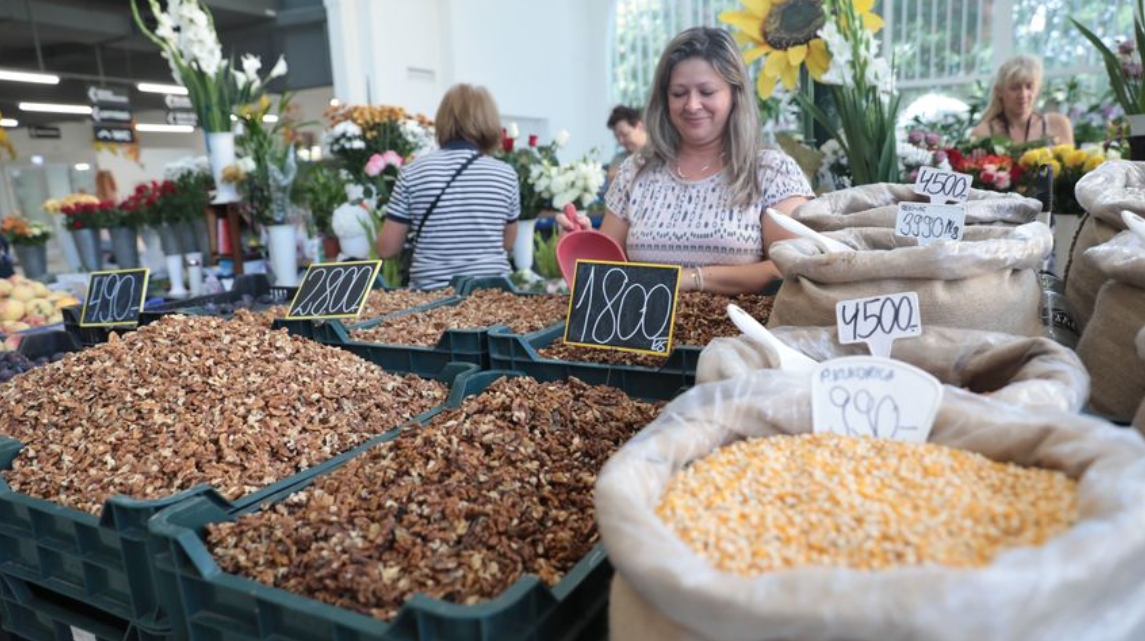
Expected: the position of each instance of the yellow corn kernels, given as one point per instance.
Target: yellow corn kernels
(825, 500)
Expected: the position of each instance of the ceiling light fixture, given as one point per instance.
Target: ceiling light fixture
(166, 129)
(334, 102)
(54, 108)
(82, 166)
(270, 118)
(24, 76)
(9, 122)
(155, 87)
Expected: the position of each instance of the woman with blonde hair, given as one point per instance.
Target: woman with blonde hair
(1011, 111)
(461, 204)
(695, 194)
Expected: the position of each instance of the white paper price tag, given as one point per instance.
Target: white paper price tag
(878, 320)
(877, 397)
(942, 186)
(929, 222)
(81, 635)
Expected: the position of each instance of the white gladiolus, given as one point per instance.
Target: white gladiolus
(562, 138)
(240, 78)
(251, 65)
(279, 68)
(247, 164)
(512, 131)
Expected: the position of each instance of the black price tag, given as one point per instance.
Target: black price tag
(334, 290)
(624, 306)
(114, 298)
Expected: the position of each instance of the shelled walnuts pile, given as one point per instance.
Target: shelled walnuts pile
(483, 308)
(189, 400)
(700, 317)
(457, 510)
(381, 301)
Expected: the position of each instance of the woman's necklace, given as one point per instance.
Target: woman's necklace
(706, 167)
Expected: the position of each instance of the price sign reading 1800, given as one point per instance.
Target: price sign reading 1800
(334, 290)
(114, 298)
(625, 306)
(878, 320)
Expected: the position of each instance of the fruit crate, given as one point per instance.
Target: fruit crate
(511, 351)
(45, 344)
(36, 614)
(105, 561)
(455, 345)
(216, 606)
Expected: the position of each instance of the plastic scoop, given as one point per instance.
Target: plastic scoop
(790, 360)
(585, 244)
(793, 226)
(1135, 223)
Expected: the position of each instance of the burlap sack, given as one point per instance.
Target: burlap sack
(1107, 342)
(1084, 585)
(1104, 193)
(987, 281)
(1035, 373)
(877, 205)
(1139, 419)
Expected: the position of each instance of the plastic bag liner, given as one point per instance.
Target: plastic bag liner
(987, 281)
(1083, 585)
(1139, 419)
(1035, 373)
(1104, 193)
(877, 206)
(1107, 342)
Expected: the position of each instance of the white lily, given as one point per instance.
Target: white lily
(562, 138)
(279, 68)
(251, 65)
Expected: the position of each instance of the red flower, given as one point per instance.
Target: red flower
(507, 144)
(532, 140)
(77, 224)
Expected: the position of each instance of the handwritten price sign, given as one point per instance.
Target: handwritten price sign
(875, 397)
(929, 223)
(624, 306)
(942, 186)
(878, 320)
(334, 290)
(114, 298)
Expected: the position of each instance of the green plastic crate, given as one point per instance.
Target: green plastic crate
(105, 561)
(216, 606)
(35, 614)
(511, 351)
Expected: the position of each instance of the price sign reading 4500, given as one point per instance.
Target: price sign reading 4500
(114, 298)
(878, 320)
(334, 290)
(625, 306)
(941, 186)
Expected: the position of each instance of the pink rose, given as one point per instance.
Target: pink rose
(375, 165)
(392, 158)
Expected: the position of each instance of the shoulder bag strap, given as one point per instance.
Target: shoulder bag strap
(433, 205)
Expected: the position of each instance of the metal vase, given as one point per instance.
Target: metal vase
(87, 244)
(202, 235)
(33, 259)
(125, 246)
(169, 239)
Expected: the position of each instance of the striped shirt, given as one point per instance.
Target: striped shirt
(466, 231)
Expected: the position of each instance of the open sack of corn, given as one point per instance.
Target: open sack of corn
(1036, 373)
(1115, 186)
(1107, 342)
(877, 206)
(727, 520)
(987, 281)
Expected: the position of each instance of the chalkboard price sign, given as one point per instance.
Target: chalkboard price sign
(114, 298)
(624, 306)
(334, 290)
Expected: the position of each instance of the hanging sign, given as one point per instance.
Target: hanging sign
(106, 96)
(334, 290)
(874, 397)
(878, 320)
(114, 298)
(110, 114)
(174, 101)
(113, 133)
(623, 306)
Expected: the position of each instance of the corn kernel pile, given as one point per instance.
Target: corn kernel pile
(767, 504)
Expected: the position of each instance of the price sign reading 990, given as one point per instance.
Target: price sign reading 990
(625, 306)
(874, 397)
(334, 290)
(878, 320)
(114, 298)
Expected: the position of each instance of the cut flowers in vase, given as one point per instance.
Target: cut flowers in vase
(18, 230)
(1069, 164)
(372, 142)
(268, 165)
(544, 181)
(100, 214)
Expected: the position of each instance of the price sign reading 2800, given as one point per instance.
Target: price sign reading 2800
(625, 306)
(114, 298)
(334, 290)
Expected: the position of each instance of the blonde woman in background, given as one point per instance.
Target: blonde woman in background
(1011, 112)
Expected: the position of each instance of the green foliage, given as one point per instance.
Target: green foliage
(1128, 87)
(545, 255)
(321, 189)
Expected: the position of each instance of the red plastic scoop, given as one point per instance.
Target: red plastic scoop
(585, 244)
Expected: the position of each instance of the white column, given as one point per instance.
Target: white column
(348, 52)
(1002, 31)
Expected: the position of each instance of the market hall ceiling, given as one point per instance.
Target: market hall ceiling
(84, 40)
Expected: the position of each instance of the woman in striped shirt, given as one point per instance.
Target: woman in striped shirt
(472, 199)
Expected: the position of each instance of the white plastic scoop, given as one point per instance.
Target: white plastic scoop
(790, 360)
(1135, 223)
(793, 226)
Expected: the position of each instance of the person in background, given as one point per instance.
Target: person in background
(1011, 111)
(696, 193)
(628, 128)
(464, 202)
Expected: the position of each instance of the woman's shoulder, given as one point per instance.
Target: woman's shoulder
(771, 159)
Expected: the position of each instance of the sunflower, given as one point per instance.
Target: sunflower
(786, 32)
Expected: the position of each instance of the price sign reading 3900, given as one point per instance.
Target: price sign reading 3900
(334, 290)
(627, 306)
(114, 298)
(878, 320)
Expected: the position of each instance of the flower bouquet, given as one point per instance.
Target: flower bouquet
(28, 238)
(1068, 164)
(372, 142)
(545, 183)
(996, 172)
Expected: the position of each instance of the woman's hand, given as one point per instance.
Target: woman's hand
(572, 220)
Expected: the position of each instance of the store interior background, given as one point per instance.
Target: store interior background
(552, 65)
